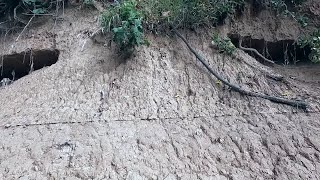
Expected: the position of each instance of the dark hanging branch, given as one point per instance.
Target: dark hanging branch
(255, 51)
(298, 104)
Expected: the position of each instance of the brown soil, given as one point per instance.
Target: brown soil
(158, 115)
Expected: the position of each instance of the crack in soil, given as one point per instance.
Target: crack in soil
(9, 126)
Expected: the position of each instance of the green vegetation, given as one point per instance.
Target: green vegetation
(224, 44)
(125, 23)
(125, 20)
(281, 7)
(88, 2)
(181, 13)
(35, 6)
(129, 19)
(313, 41)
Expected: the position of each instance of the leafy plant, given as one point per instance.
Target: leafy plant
(281, 7)
(224, 44)
(187, 13)
(31, 2)
(35, 6)
(88, 2)
(313, 42)
(225, 8)
(302, 20)
(125, 23)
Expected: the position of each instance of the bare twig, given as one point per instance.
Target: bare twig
(62, 8)
(31, 63)
(99, 30)
(28, 14)
(15, 14)
(98, 6)
(25, 27)
(90, 37)
(298, 104)
(255, 51)
(2, 64)
(4, 22)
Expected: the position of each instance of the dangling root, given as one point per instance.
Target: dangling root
(298, 104)
(255, 51)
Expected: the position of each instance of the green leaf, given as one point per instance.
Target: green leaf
(127, 28)
(38, 11)
(30, 2)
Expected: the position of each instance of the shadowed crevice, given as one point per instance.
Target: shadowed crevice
(17, 65)
(283, 52)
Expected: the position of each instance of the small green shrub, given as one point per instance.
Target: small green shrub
(228, 7)
(125, 23)
(302, 20)
(224, 44)
(313, 42)
(35, 6)
(88, 2)
(281, 7)
(187, 13)
(124, 20)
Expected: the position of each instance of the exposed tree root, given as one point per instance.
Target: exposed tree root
(298, 104)
(255, 51)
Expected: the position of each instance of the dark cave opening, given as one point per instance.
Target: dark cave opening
(15, 66)
(283, 52)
